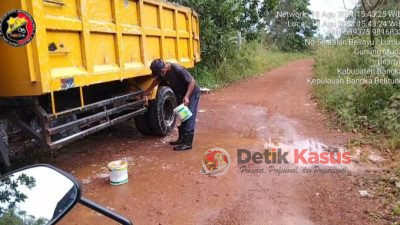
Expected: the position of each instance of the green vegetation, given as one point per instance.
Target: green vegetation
(358, 104)
(363, 102)
(16, 217)
(253, 59)
(267, 37)
(11, 196)
(396, 210)
(288, 30)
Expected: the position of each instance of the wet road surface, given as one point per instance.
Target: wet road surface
(166, 187)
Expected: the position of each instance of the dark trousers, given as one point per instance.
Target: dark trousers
(188, 126)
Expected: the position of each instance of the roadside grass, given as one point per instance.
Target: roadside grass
(396, 210)
(361, 107)
(252, 60)
(372, 110)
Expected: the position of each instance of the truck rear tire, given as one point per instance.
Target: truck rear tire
(161, 112)
(142, 124)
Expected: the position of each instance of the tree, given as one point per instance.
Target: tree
(292, 25)
(364, 19)
(14, 216)
(220, 20)
(218, 23)
(10, 217)
(370, 18)
(254, 17)
(10, 195)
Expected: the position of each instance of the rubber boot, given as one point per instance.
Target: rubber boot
(180, 138)
(187, 144)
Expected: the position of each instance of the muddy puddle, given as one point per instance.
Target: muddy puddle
(166, 187)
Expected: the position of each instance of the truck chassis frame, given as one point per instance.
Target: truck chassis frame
(86, 120)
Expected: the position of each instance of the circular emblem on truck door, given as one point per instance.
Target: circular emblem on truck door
(17, 28)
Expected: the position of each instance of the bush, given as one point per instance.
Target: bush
(367, 107)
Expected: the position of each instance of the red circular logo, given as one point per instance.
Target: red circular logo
(17, 28)
(216, 162)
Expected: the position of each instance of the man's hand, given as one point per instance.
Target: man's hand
(150, 89)
(186, 101)
(146, 103)
(147, 93)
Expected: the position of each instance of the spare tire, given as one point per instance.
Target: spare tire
(161, 112)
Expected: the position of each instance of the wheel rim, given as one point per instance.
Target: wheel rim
(168, 112)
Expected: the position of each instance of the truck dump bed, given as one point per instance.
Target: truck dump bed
(84, 42)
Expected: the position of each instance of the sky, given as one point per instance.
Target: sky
(331, 13)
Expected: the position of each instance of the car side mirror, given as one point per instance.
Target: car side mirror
(43, 195)
(40, 194)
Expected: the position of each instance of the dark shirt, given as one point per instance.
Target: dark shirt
(178, 78)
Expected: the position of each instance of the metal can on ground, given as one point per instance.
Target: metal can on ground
(118, 172)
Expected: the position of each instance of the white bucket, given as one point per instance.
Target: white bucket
(183, 112)
(118, 172)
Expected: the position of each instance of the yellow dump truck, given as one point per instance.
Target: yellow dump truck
(87, 66)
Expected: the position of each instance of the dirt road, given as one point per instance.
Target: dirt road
(166, 187)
